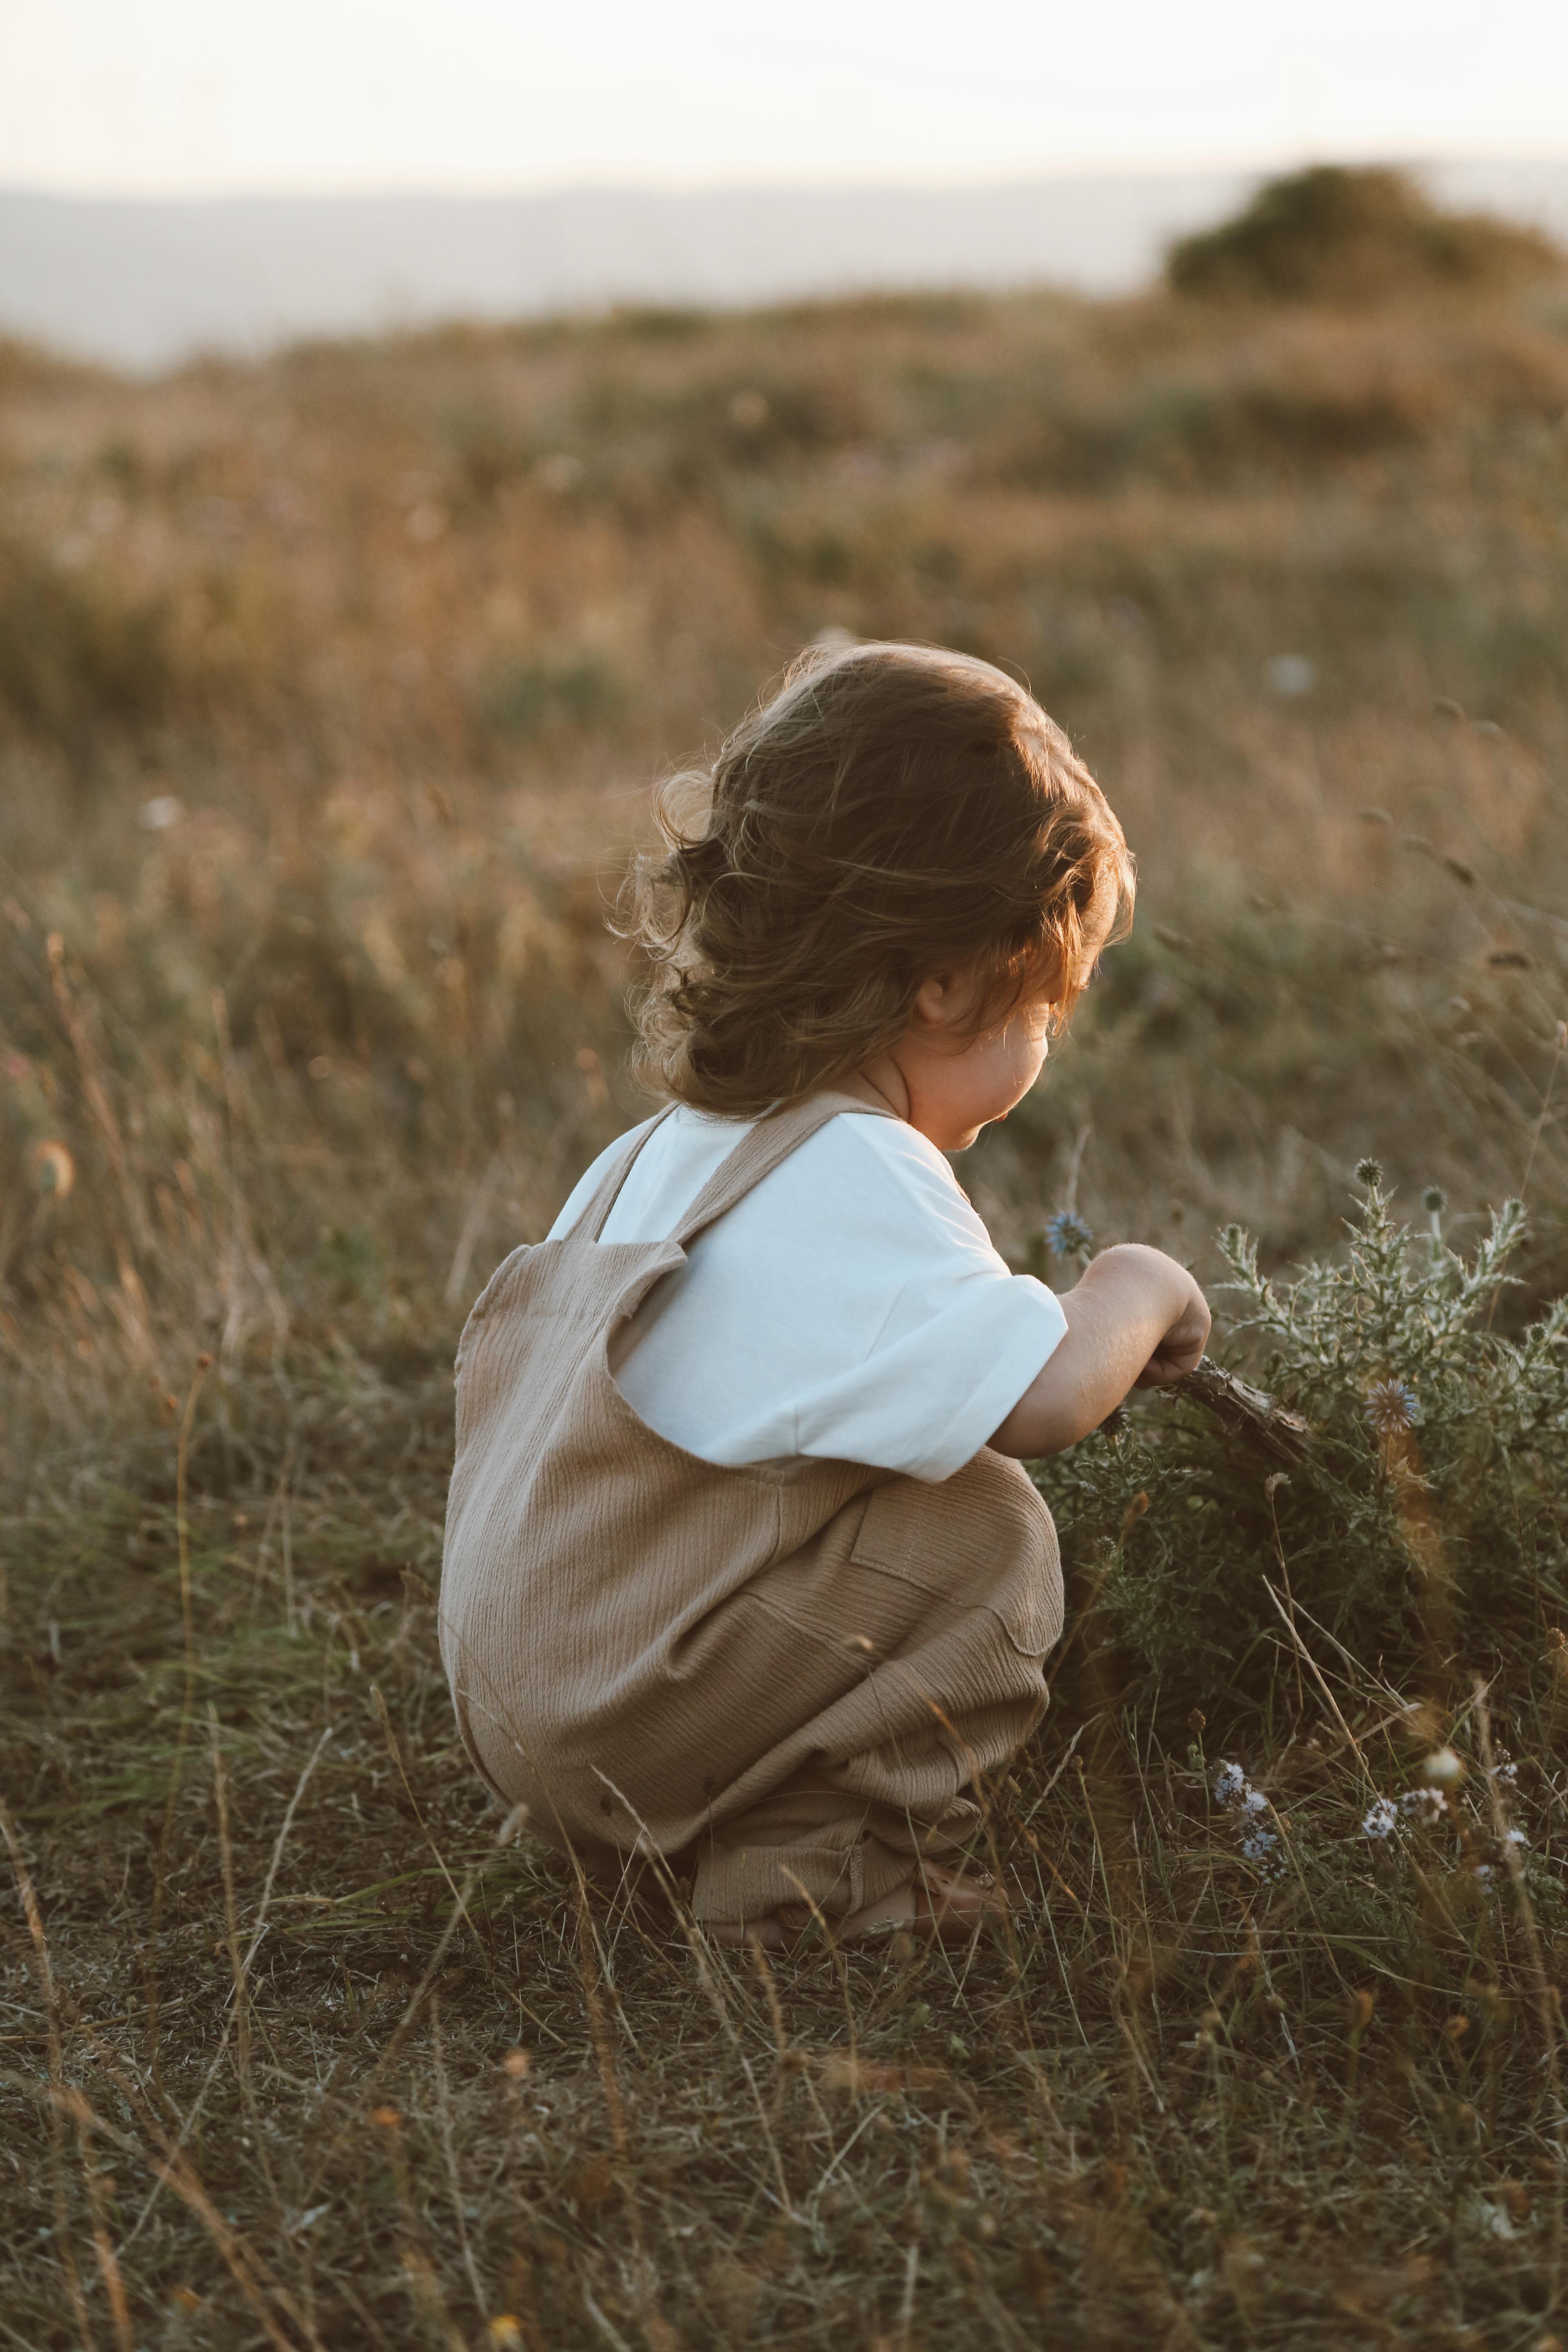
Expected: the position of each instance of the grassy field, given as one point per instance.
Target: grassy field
(330, 689)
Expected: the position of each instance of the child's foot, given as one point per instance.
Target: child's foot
(941, 1907)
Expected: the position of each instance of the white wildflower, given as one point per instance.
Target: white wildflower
(1483, 1874)
(1261, 1847)
(1230, 1785)
(1291, 675)
(1427, 1806)
(1516, 1837)
(1506, 1773)
(1382, 1820)
(1255, 1802)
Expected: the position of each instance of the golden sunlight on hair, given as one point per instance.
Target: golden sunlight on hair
(893, 811)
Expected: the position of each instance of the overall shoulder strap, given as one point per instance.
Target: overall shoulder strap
(760, 1151)
(590, 1224)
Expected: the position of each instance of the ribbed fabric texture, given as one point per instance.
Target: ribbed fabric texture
(789, 1679)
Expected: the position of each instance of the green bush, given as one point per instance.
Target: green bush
(522, 699)
(77, 657)
(1420, 1522)
(1334, 233)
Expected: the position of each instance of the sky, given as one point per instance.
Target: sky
(201, 97)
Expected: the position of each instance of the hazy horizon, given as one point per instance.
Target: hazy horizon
(145, 281)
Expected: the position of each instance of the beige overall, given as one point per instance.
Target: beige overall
(790, 1679)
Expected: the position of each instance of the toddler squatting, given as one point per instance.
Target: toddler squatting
(743, 1575)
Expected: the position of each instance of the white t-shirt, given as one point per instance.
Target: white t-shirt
(849, 1306)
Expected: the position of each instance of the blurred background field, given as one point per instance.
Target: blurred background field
(331, 687)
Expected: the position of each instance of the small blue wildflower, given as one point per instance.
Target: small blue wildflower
(1067, 1236)
(1260, 1849)
(1230, 1784)
(1382, 1820)
(1392, 1408)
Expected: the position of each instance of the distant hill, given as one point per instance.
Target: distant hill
(142, 284)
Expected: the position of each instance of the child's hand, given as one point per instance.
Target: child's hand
(1137, 1319)
(1181, 1350)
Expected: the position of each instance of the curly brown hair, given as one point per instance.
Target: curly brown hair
(893, 812)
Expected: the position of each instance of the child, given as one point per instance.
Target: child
(743, 1570)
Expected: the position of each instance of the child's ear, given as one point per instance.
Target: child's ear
(946, 1000)
(933, 1002)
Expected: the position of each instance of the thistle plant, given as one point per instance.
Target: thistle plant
(1428, 1517)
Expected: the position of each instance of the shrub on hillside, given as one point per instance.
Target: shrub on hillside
(79, 657)
(1332, 234)
(525, 699)
(1419, 1519)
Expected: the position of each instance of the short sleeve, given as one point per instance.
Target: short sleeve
(851, 1308)
(963, 1335)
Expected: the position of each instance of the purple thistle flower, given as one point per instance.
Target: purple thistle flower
(1392, 1408)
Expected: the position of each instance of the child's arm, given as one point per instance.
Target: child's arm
(1136, 1319)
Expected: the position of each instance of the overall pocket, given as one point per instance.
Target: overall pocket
(981, 1539)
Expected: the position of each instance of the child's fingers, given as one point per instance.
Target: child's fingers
(1169, 1364)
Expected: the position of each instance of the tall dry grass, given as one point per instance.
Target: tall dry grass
(331, 687)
